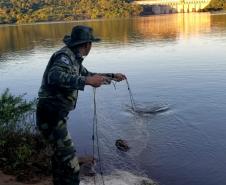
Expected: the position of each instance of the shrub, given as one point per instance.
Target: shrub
(22, 151)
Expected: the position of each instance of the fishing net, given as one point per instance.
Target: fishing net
(145, 107)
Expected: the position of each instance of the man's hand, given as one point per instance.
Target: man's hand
(119, 77)
(96, 80)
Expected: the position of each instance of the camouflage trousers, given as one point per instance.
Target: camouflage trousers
(52, 124)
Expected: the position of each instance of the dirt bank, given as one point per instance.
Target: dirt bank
(10, 180)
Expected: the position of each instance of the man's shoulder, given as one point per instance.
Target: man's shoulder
(65, 55)
(62, 58)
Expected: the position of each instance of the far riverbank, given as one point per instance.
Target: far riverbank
(217, 12)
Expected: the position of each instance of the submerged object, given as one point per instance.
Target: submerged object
(148, 108)
(122, 145)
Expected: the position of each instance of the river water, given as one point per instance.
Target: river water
(176, 60)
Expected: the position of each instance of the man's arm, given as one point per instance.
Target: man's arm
(85, 72)
(60, 75)
(113, 76)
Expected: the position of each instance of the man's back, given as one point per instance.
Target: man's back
(61, 80)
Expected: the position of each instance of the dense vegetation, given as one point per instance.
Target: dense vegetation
(216, 5)
(22, 151)
(26, 11)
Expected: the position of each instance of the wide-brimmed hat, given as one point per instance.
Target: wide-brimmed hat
(79, 35)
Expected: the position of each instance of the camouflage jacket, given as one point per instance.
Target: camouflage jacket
(63, 77)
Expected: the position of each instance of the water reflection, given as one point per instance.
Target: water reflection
(218, 21)
(155, 28)
(173, 26)
(26, 37)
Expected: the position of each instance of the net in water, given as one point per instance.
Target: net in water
(145, 108)
(148, 108)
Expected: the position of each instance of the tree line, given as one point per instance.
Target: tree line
(28, 11)
(216, 5)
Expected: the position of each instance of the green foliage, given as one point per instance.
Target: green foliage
(14, 121)
(21, 147)
(14, 110)
(23, 152)
(13, 11)
(217, 5)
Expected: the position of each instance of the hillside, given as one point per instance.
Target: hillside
(28, 11)
(216, 5)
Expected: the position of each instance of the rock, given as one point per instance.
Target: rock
(148, 182)
(122, 145)
(87, 164)
(87, 170)
(86, 159)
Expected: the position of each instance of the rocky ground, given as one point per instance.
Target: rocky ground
(11, 180)
(116, 178)
(86, 165)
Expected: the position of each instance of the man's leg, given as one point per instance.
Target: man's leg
(53, 126)
(64, 162)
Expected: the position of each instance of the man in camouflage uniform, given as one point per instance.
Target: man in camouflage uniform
(63, 78)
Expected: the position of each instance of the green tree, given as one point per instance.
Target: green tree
(217, 5)
(65, 10)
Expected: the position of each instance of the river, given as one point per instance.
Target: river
(178, 60)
